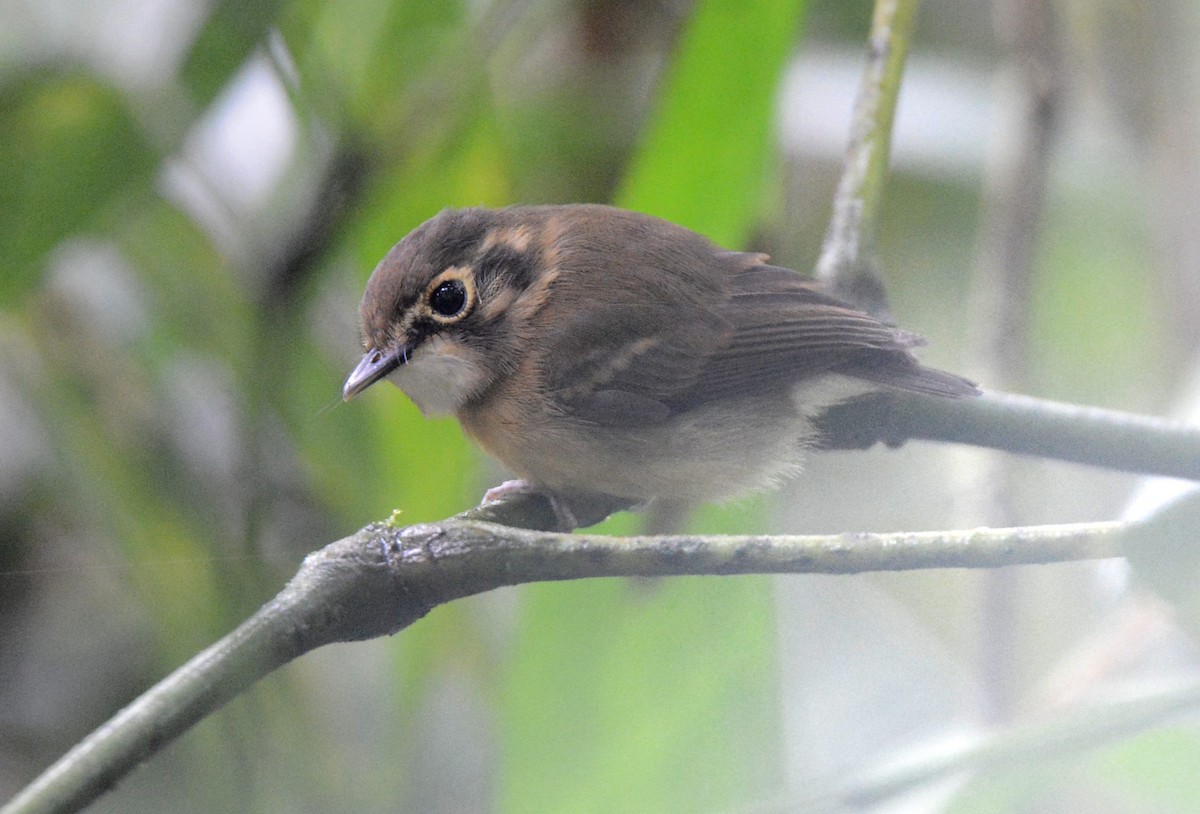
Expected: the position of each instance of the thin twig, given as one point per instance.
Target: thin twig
(847, 262)
(1015, 190)
(1014, 197)
(1030, 744)
(1021, 746)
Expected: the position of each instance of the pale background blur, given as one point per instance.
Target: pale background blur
(192, 195)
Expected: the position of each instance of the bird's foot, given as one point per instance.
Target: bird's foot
(563, 515)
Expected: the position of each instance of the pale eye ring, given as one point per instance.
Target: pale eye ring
(448, 298)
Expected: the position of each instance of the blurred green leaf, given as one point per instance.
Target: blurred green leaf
(364, 62)
(230, 34)
(704, 161)
(121, 486)
(68, 145)
(1153, 772)
(466, 166)
(613, 705)
(186, 282)
(426, 467)
(1095, 318)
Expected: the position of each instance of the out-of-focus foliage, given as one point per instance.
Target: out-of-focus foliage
(71, 147)
(191, 198)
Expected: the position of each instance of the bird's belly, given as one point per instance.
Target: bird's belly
(710, 453)
(715, 452)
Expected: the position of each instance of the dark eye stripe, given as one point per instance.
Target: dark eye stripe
(518, 267)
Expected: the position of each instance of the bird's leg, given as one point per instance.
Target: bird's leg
(510, 488)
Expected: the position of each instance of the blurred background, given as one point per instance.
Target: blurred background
(192, 195)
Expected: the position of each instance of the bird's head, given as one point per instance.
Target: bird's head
(440, 311)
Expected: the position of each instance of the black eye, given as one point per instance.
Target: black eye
(449, 298)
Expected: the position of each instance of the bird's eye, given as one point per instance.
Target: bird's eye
(449, 298)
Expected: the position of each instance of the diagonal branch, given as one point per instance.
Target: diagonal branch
(382, 579)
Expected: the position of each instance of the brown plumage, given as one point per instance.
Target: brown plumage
(603, 350)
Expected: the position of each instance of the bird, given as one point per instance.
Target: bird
(595, 350)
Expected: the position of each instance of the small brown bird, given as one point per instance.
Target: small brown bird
(591, 349)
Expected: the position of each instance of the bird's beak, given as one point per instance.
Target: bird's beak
(374, 365)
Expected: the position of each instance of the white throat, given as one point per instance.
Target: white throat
(440, 376)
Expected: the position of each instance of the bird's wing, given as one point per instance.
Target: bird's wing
(764, 330)
(626, 364)
(786, 330)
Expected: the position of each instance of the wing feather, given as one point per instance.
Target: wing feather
(764, 330)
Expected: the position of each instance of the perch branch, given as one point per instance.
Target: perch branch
(1023, 425)
(384, 578)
